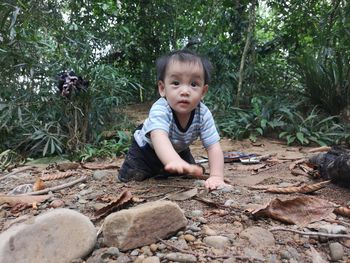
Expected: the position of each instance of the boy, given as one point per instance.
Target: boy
(174, 122)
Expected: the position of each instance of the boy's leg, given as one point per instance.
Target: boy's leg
(140, 163)
(133, 167)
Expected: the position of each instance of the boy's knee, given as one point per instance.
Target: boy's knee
(132, 175)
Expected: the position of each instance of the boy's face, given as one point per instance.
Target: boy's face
(183, 86)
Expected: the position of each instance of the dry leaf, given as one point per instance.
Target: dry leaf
(184, 195)
(305, 189)
(99, 166)
(298, 172)
(58, 175)
(251, 167)
(121, 201)
(300, 211)
(320, 149)
(316, 257)
(23, 199)
(265, 187)
(294, 164)
(63, 167)
(38, 185)
(218, 212)
(343, 211)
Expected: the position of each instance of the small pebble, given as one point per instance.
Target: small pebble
(189, 238)
(153, 247)
(336, 251)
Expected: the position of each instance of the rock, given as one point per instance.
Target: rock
(101, 254)
(189, 238)
(290, 253)
(207, 231)
(196, 213)
(58, 236)
(253, 254)
(123, 259)
(151, 260)
(153, 247)
(21, 189)
(57, 203)
(143, 225)
(336, 251)
(181, 257)
(258, 237)
(65, 166)
(99, 175)
(217, 241)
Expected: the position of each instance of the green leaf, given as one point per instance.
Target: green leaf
(300, 137)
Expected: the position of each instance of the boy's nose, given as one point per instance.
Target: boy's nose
(185, 90)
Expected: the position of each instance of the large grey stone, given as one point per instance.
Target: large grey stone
(58, 236)
(258, 237)
(143, 225)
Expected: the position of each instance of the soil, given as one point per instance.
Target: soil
(225, 222)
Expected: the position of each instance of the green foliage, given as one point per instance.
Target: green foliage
(269, 117)
(312, 128)
(106, 148)
(326, 80)
(259, 120)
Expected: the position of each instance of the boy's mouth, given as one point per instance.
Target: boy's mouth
(183, 102)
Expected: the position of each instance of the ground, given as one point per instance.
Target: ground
(230, 221)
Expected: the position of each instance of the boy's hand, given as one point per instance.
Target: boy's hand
(214, 182)
(182, 167)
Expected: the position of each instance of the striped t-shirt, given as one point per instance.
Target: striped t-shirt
(201, 124)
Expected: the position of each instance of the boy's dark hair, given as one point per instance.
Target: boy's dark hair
(183, 55)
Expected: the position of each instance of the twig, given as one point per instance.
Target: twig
(22, 169)
(310, 233)
(206, 255)
(337, 222)
(99, 231)
(58, 187)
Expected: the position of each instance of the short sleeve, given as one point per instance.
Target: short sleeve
(209, 134)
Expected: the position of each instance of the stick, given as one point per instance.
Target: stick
(56, 188)
(22, 169)
(204, 255)
(310, 233)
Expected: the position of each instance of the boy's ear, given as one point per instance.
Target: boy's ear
(205, 90)
(161, 88)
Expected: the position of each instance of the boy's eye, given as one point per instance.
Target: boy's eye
(175, 83)
(194, 84)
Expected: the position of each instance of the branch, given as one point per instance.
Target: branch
(310, 233)
(206, 255)
(56, 188)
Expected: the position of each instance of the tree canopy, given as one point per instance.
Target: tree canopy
(281, 67)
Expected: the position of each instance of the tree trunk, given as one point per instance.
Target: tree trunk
(245, 51)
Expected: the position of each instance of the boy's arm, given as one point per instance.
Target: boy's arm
(216, 164)
(169, 157)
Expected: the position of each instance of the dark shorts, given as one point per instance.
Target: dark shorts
(142, 163)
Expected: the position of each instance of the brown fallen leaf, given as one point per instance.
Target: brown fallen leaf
(316, 257)
(183, 195)
(305, 189)
(300, 211)
(23, 199)
(320, 149)
(295, 163)
(99, 166)
(343, 211)
(119, 203)
(251, 167)
(58, 175)
(265, 187)
(298, 172)
(39, 184)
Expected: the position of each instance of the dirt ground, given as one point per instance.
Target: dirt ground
(89, 196)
